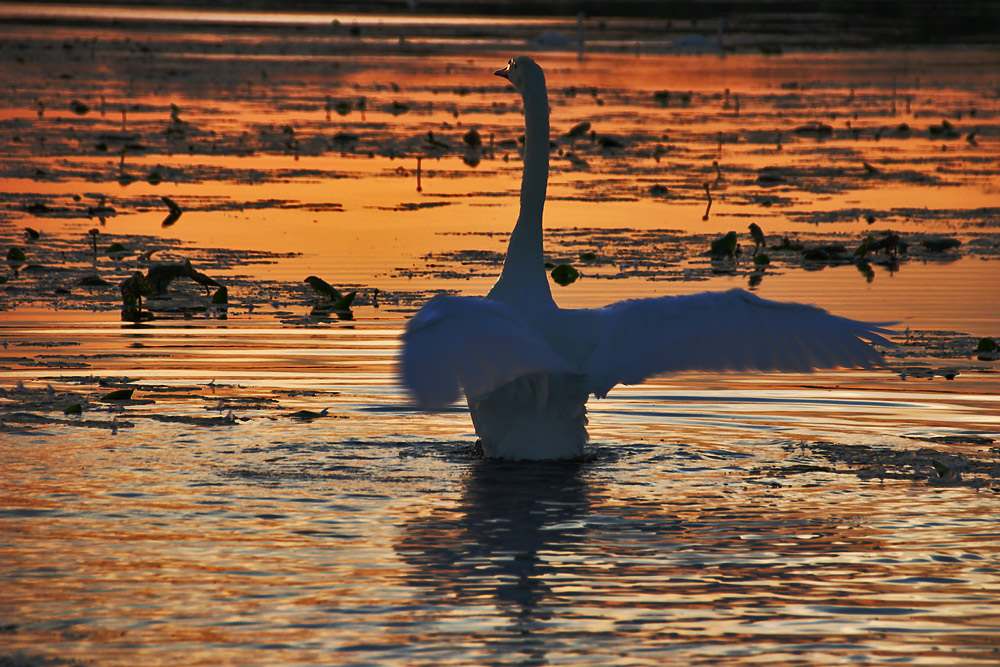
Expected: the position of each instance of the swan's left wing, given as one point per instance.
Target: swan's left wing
(719, 331)
(470, 342)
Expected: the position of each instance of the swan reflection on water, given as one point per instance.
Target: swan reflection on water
(550, 547)
(491, 544)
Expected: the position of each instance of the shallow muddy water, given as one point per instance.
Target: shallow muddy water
(267, 495)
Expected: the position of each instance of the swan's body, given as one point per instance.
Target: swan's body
(528, 367)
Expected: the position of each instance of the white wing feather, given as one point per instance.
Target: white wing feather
(717, 331)
(470, 342)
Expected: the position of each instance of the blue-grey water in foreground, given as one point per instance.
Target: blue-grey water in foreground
(706, 527)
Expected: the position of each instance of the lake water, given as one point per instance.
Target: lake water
(220, 516)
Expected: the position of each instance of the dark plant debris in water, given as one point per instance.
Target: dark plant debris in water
(781, 148)
(671, 255)
(27, 407)
(962, 460)
(867, 132)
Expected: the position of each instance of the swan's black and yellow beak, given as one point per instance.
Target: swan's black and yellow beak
(505, 72)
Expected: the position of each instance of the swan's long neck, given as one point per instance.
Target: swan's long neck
(523, 281)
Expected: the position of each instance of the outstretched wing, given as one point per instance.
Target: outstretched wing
(717, 331)
(470, 342)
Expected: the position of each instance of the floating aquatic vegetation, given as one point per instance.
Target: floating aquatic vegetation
(757, 235)
(344, 302)
(308, 415)
(940, 244)
(16, 257)
(323, 288)
(987, 349)
(565, 274)
(724, 246)
(175, 211)
(133, 289)
(31, 419)
(118, 395)
(228, 420)
(976, 469)
(116, 250)
(415, 206)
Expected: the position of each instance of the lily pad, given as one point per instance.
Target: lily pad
(724, 245)
(118, 395)
(221, 295)
(344, 302)
(565, 274)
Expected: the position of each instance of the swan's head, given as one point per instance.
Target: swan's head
(519, 70)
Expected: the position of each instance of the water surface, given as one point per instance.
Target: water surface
(220, 516)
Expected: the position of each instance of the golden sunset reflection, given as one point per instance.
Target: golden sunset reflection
(238, 477)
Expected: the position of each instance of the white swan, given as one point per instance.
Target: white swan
(527, 366)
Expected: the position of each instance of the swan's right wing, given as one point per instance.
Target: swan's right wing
(721, 331)
(470, 342)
